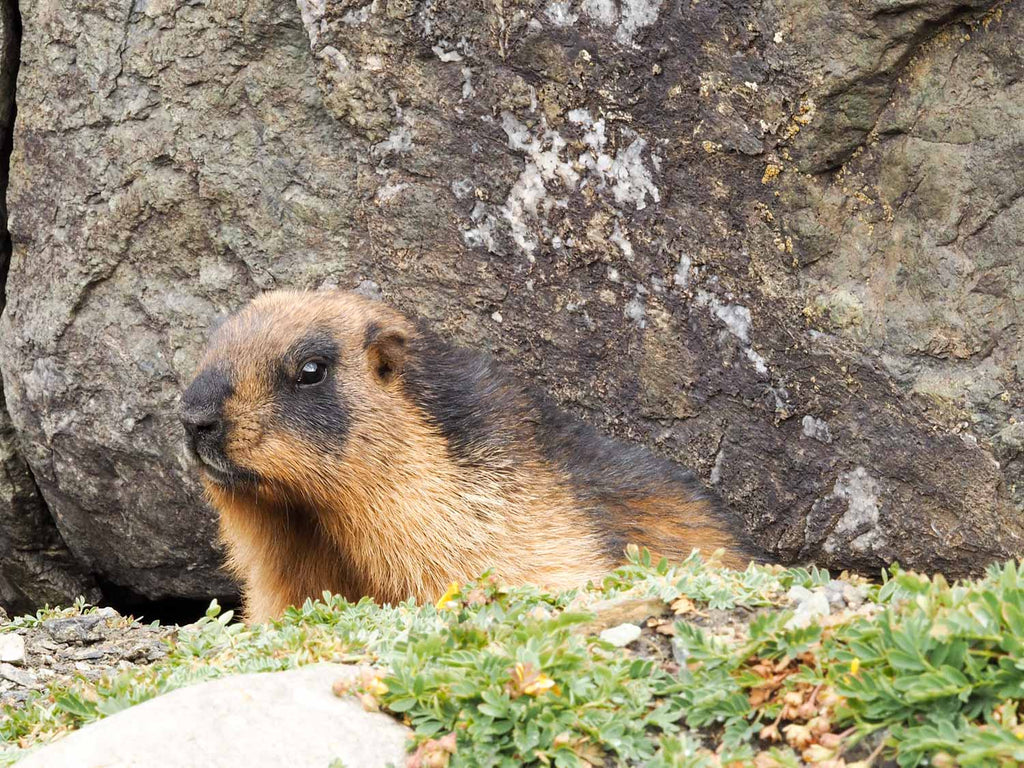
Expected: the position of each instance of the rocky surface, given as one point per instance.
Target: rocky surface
(268, 719)
(60, 649)
(37, 567)
(779, 241)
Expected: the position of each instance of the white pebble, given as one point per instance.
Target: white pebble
(12, 648)
(622, 635)
(809, 606)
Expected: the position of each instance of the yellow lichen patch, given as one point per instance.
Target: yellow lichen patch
(770, 172)
(804, 114)
(766, 214)
(784, 244)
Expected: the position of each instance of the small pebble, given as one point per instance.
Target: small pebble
(808, 606)
(14, 697)
(835, 595)
(680, 654)
(12, 648)
(854, 595)
(622, 635)
(88, 654)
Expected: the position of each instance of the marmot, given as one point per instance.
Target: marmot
(350, 449)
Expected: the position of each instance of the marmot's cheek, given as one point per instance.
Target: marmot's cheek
(242, 446)
(278, 457)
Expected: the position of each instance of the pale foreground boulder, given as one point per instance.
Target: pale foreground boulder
(269, 719)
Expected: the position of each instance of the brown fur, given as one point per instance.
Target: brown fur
(388, 512)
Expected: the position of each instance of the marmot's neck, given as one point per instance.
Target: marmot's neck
(410, 518)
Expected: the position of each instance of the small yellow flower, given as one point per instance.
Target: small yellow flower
(448, 596)
(530, 681)
(372, 681)
(541, 684)
(855, 666)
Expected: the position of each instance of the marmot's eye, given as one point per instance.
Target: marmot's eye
(311, 373)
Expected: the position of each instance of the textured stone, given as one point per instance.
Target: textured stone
(780, 242)
(269, 719)
(36, 566)
(18, 676)
(76, 629)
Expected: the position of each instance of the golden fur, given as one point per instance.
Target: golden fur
(387, 512)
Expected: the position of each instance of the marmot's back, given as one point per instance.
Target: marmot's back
(629, 494)
(347, 449)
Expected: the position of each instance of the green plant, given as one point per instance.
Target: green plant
(922, 671)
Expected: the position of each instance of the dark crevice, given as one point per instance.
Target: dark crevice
(9, 68)
(169, 610)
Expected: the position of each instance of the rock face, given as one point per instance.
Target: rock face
(778, 241)
(36, 565)
(258, 720)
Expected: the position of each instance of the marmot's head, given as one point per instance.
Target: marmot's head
(285, 385)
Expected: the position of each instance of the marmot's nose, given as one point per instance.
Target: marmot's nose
(201, 410)
(201, 425)
(204, 429)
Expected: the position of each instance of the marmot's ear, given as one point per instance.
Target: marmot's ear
(386, 350)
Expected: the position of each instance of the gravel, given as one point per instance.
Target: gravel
(60, 649)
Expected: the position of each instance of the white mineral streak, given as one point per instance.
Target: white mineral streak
(860, 492)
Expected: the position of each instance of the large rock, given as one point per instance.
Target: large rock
(779, 242)
(257, 720)
(37, 567)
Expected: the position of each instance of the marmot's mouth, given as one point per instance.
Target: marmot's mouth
(229, 476)
(222, 472)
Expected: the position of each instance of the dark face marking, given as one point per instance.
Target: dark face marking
(202, 415)
(205, 396)
(314, 406)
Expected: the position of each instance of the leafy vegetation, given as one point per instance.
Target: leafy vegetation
(913, 671)
(79, 608)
